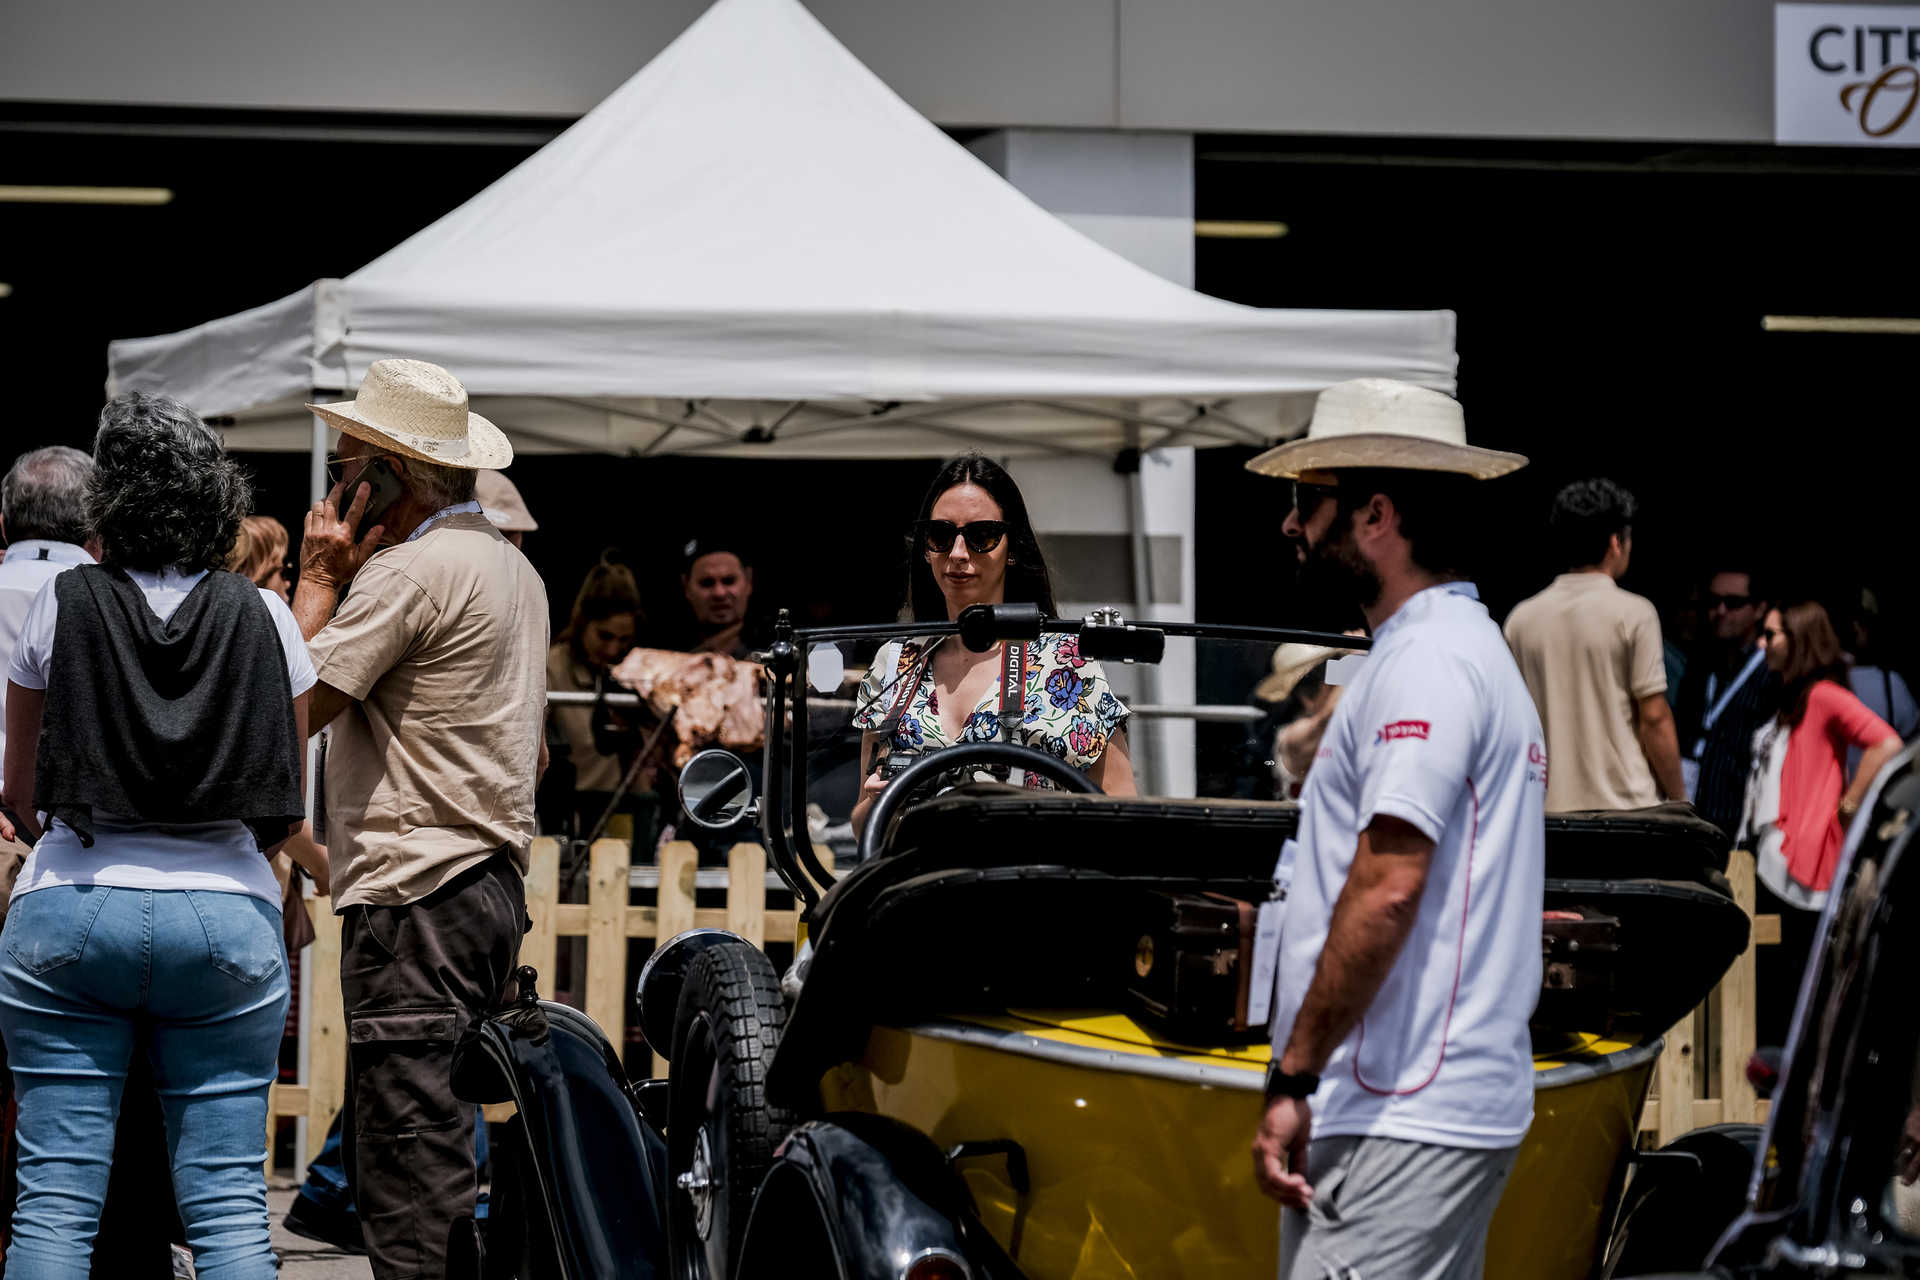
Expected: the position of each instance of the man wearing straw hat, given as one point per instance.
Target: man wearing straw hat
(1409, 952)
(433, 675)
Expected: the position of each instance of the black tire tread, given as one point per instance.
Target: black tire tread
(739, 991)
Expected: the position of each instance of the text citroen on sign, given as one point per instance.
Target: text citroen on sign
(1846, 75)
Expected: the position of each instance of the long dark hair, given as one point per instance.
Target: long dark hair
(1028, 581)
(1813, 654)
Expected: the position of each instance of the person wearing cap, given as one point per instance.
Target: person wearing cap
(432, 673)
(1409, 954)
(717, 579)
(501, 503)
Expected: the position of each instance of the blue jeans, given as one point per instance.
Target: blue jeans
(86, 974)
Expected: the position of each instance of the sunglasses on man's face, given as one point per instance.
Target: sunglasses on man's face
(1728, 603)
(982, 536)
(1308, 497)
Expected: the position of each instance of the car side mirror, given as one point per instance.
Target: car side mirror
(716, 790)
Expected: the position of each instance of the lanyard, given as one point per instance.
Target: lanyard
(1719, 708)
(1012, 704)
(457, 509)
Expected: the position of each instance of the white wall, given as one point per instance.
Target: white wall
(1692, 69)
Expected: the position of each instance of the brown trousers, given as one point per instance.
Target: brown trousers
(414, 977)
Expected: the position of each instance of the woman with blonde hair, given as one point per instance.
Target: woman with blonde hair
(260, 554)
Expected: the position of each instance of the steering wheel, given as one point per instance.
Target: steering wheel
(966, 755)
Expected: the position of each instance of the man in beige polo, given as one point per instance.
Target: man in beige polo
(1593, 661)
(432, 674)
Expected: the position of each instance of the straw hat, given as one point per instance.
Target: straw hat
(419, 410)
(500, 502)
(1291, 663)
(1380, 422)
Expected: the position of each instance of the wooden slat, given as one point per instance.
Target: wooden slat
(1766, 931)
(326, 1031)
(273, 1123)
(607, 939)
(746, 896)
(676, 913)
(1738, 1101)
(538, 948)
(288, 1101)
(1676, 1082)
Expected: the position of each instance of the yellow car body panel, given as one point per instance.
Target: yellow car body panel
(1138, 1148)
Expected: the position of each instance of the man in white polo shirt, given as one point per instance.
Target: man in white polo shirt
(1402, 1079)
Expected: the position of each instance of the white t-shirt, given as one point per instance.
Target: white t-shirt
(1440, 732)
(28, 566)
(221, 856)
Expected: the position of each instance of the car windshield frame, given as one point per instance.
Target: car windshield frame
(790, 843)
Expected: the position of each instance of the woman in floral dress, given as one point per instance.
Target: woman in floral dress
(974, 544)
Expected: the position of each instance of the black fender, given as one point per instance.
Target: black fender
(862, 1197)
(593, 1170)
(657, 991)
(1680, 1200)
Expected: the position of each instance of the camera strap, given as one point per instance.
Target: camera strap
(1010, 708)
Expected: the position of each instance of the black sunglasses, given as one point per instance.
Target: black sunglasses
(1308, 497)
(1728, 602)
(1769, 634)
(937, 536)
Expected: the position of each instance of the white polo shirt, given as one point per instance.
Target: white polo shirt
(1439, 731)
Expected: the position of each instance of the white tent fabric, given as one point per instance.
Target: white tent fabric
(755, 247)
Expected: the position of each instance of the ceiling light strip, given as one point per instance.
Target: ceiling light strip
(86, 195)
(1839, 324)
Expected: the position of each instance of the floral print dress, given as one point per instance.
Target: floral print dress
(1069, 710)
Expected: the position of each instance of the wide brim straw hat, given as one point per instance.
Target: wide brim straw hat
(500, 502)
(1291, 663)
(1381, 422)
(419, 410)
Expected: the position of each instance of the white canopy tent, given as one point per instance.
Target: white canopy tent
(754, 247)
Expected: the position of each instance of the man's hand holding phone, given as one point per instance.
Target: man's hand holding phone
(329, 552)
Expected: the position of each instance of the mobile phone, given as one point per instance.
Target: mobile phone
(383, 491)
(893, 764)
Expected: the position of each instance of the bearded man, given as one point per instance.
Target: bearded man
(1402, 1074)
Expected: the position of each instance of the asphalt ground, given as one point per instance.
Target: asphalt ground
(303, 1259)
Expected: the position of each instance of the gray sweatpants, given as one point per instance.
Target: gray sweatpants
(1389, 1210)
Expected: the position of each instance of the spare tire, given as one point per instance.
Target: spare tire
(721, 1131)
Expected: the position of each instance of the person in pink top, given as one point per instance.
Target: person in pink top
(1799, 799)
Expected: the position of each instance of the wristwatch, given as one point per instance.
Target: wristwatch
(1289, 1084)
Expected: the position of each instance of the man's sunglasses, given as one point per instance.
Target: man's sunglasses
(1308, 497)
(937, 536)
(1728, 602)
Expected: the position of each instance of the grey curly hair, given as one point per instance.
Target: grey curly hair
(164, 493)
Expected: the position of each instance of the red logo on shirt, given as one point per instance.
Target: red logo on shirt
(1404, 729)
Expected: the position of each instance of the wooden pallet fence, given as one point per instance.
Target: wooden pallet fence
(607, 920)
(1702, 1076)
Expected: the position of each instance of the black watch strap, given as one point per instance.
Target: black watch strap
(1290, 1084)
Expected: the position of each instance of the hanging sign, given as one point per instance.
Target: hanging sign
(1846, 75)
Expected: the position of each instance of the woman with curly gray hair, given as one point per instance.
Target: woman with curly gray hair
(161, 740)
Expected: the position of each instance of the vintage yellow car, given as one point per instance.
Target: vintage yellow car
(1015, 1049)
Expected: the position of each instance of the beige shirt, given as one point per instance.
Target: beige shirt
(442, 642)
(592, 770)
(1589, 652)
